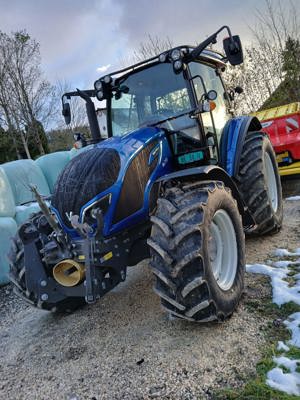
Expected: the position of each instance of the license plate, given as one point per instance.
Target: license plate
(190, 157)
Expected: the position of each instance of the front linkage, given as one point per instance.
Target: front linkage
(58, 267)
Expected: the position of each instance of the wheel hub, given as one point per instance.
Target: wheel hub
(223, 250)
(271, 182)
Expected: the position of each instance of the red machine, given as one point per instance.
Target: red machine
(283, 127)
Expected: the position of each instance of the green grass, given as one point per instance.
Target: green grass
(293, 353)
(256, 388)
(293, 271)
(291, 280)
(285, 370)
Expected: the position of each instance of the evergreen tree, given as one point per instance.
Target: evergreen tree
(289, 89)
(36, 134)
(291, 68)
(7, 152)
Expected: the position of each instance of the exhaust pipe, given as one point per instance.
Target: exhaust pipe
(68, 273)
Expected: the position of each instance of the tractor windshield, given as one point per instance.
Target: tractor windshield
(148, 96)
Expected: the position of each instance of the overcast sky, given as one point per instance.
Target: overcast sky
(79, 36)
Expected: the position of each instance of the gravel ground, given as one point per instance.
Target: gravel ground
(126, 347)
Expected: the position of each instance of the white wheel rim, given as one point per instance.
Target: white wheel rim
(223, 250)
(271, 182)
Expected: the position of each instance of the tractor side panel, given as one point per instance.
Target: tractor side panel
(138, 173)
(136, 191)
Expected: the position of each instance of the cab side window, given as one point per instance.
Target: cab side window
(211, 81)
(124, 114)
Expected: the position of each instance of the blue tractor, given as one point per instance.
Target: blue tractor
(176, 178)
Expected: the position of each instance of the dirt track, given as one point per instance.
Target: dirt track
(125, 346)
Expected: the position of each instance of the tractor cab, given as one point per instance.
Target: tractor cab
(186, 99)
(180, 91)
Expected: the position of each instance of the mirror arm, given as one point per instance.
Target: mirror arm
(91, 114)
(211, 39)
(90, 109)
(88, 92)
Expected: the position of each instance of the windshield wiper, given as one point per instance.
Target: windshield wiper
(186, 138)
(190, 112)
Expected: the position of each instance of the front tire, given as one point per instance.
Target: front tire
(259, 183)
(197, 251)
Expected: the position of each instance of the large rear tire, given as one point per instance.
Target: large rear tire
(259, 183)
(197, 248)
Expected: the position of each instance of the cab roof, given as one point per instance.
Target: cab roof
(207, 55)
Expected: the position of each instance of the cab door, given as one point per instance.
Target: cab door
(207, 77)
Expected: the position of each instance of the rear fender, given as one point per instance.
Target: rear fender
(210, 173)
(232, 141)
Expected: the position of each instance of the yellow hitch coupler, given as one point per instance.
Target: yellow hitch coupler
(68, 272)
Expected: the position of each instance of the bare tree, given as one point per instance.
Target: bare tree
(150, 47)
(276, 21)
(262, 72)
(26, 97)
(9, 116)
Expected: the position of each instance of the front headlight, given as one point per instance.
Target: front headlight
(98, 85)
(100, 94)
(107, 79)
(162, 57)
(176, 54)
(178, 65)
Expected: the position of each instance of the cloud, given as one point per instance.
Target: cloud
(76, 36)
(104, 68)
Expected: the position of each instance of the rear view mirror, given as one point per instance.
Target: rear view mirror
(66, 112)
(233, 50)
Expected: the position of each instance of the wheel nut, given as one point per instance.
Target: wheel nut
(44, 297)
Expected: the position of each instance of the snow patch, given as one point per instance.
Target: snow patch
(293, 198)
(285, 253)
(282, 346)
(285, 279)
(280, 264)
(285, 382)
(293, 324)
(282, 292)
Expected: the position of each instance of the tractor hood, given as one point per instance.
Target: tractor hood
(129, 144)
(113, 175)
